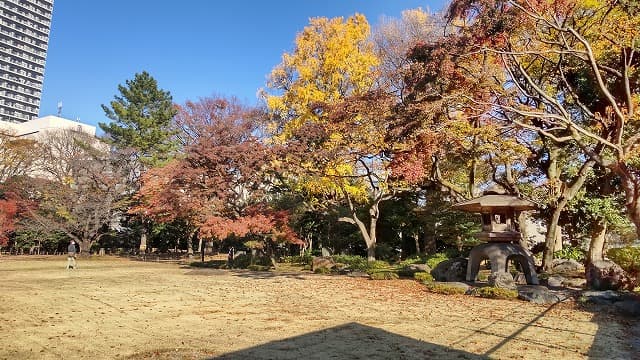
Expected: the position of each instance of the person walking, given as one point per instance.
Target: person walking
(230, 257)
(71, 255)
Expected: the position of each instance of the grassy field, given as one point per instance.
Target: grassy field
(111, 308)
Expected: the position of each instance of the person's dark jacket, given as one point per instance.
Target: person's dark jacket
(72, 249)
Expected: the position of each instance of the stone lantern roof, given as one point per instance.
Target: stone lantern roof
(493, 201)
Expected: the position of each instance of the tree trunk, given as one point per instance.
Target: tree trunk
(371, 252)
(369, 235)
(631, 187)
(598, 240)
(85, 246)
(551, 237)
(429, 243)
(190, 247)
(523, 220)
(416, 239)
(558, 243)
(143, 239)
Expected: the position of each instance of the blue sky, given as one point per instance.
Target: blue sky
(194, 48)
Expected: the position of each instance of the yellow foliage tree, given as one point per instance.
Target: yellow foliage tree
(333, 61)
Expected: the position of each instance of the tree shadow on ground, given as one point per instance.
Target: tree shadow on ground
(349, 341)
(249, 274)
(603, 341)
(268, 274)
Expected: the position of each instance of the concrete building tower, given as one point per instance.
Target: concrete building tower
(24, 35)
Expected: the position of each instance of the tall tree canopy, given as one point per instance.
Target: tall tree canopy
(337, 148)
(80, 192)
(332, 59)
(141, 130)
(570, 76)
(221, 184)
(141, 120)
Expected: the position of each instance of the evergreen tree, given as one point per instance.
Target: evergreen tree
(141, 131)
(141, 120)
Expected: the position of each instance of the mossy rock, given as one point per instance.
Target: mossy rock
(383, 275)
(423, 276)
(491, 292)
(446, 289)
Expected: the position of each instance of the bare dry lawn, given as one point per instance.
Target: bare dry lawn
(113, 308)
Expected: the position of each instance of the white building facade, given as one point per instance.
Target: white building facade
(39, 126)
(24, 37)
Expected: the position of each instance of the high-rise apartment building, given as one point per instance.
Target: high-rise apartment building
(24, 35)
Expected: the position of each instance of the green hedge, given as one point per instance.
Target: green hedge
(628, 258)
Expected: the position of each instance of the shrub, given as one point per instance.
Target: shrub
(416, 259)
(572, 253)
(383, 275)
(628, 258)
(243, 261)
(322, 270)
(444, 288)
(423, 276)
(357, 263)
(434, 259)
(377, 265)
(491, 292)
(305, 259)
(385, 251)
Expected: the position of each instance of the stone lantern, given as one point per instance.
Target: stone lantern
(500, 234)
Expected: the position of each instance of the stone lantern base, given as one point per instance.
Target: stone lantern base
(499, 254)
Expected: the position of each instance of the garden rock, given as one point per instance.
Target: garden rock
(411, 269)
(450, 270)
(417, 268)
(606, 297)
(578, 283)
(556, 280)
(538, 295)
(606, 275)
(456, 284)
(322, 262)
(502, 280)
(566, 266)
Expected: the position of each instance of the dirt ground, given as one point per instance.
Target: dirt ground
(117, 308)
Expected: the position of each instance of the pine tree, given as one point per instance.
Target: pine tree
(141, 120)
(141, 129)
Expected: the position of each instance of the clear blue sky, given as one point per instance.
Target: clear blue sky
(194, 48)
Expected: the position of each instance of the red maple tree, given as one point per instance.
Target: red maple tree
(221, 184)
